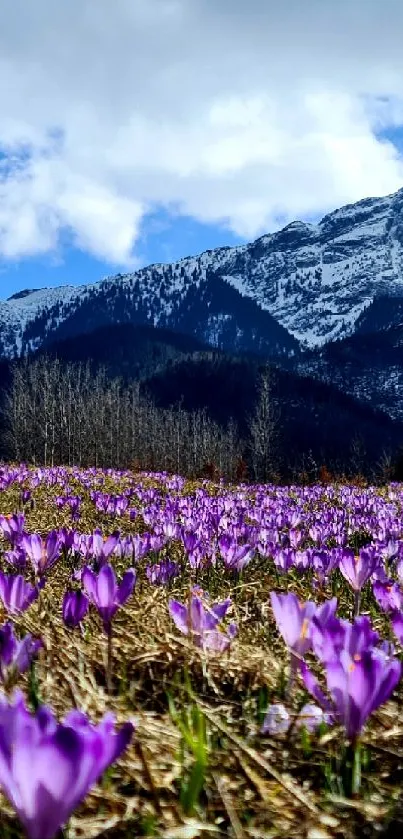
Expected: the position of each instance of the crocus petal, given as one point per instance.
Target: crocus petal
(179, 615)
(197, 615)
(310, 717)
(215, 641)
(74, 607)
(312, 685)
(397, 626)
(126, 586)
(215, 613)
(276, 721)
(106, 587)
(293, 620)
(89, 581)
(27, 650)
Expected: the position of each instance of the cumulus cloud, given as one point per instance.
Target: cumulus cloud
(242, 114)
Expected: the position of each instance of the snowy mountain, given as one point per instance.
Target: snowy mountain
(368, 364)
(298, 288)
(24, 308)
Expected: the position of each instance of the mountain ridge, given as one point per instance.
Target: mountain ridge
(287, 296)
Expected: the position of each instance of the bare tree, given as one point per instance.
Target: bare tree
(264, 429)
(357, 454)
(64, 413)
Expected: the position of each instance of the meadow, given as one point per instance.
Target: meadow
(246, 639)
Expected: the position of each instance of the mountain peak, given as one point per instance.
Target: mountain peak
(300, 225)
(306, 285)
(19, 295)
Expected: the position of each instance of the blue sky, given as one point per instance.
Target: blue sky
(133, 133)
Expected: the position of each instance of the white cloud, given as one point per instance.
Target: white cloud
(231, 112)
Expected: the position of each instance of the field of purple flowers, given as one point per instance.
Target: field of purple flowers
(187, 659)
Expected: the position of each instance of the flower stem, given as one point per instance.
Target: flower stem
(293, 672)
(356, 769)
(109, 660)
(33, 687)
(357, 604)
(353, 769)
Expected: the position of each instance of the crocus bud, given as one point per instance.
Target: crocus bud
(105, 593)
(74, 607)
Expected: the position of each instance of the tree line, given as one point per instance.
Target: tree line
(57, 412)
(64, 413)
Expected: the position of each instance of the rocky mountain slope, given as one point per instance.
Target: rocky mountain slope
(300, 287)
(369, 364)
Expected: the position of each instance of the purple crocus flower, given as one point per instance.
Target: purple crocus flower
(14, 654)
(236, 557)
(75, 505)
(141, 545)
(171, 529)
(325, 612)
(47, 768)
(323, 562)
(121, 505)
(162, 572)
(104, 592)
(107, 596)
(357, 569)
(336, 636)
(190, 540)
(155, 542)
(101, 547)
(284, 559)
(124, 548)
(42, 553)
(311, 716)
(16, 594)
(357, 687)
(388, 595)
(293, 622)
(201, 620)
(13, 527)
(16, 557)
(74, 607)
(276, 721)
